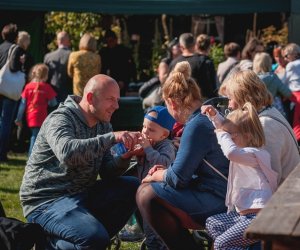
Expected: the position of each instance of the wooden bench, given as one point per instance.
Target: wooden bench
(278, 224)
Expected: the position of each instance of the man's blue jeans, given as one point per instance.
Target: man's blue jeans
(90, 219)
(7, 113)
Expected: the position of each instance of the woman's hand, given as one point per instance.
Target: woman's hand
(156, 173)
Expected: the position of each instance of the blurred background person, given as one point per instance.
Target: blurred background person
(117, 61)
(173, 51)
(24, 41)
(20, 134)
(280, 63)
(232, 52)
(57, 62)
(8, 106)
(208, 75)
(84, 63)
(291, 54)
(253, 46)
(262, 66)
(36, 97)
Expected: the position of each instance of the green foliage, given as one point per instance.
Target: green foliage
(157, 50)
(217, 54)
(76, 24)
(271, 34)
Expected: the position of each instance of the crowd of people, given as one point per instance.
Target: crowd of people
(196, 168)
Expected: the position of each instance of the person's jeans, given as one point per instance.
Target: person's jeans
(90, 219)
(34, 133)
(7, 114)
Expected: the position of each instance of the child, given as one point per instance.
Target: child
(157, 150)
(36, 97)
(251, 180)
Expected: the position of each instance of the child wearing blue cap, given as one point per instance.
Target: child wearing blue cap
(158, 149)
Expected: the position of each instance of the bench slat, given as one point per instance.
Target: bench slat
(280, 219)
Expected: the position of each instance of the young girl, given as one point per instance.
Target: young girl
(251, 180)
(36, 97)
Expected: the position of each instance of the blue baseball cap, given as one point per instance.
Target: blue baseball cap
(163, 118)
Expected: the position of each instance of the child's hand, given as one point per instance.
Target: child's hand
(18, 123)
(144, 141)
(208, 110)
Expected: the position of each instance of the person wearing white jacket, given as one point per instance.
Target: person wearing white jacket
(251, 180)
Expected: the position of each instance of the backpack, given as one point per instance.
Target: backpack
(17, 235)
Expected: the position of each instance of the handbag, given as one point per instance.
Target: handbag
(11, 83)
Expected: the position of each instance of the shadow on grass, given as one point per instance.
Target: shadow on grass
(9, 190)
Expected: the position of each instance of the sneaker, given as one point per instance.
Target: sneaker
(129, 234)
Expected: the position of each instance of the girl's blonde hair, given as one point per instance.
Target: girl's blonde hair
(88, 42)
(245, 86)
(248, 125)
(39, 72)
(262, 63)
(181, 87)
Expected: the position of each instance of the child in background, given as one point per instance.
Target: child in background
(36, 97)
(157, 149)
(251, 181)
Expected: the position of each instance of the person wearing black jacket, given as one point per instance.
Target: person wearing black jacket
(8, 106)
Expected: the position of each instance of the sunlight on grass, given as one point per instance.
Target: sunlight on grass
(11, 174)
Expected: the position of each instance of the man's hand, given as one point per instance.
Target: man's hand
(137, 151)
(130, 139)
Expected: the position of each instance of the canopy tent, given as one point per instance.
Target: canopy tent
(151, 6)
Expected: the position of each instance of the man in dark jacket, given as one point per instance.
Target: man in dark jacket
(57, 61)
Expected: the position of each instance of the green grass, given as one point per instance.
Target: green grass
(11, 174)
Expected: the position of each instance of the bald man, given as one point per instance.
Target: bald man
(57, 61)
(61, 190)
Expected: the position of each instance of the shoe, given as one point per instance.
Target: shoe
(131, 234)
(202, 239)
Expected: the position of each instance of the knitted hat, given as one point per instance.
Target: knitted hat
(163, 118)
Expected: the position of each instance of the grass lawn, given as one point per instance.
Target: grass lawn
(11, 174)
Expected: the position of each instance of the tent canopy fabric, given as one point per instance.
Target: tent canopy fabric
(151, 6)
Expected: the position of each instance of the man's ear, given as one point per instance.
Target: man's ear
(89, 98)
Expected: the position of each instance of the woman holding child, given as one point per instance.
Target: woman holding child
(245, 86)
(189, 190)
